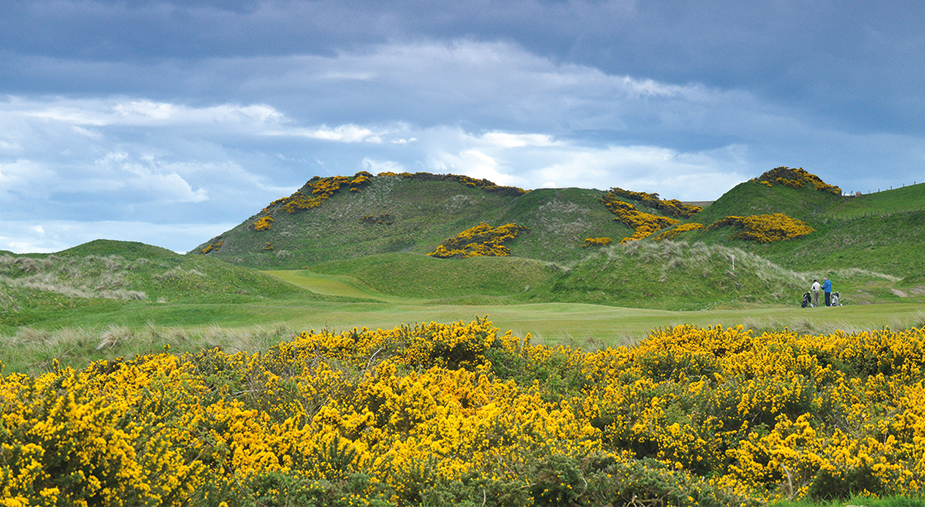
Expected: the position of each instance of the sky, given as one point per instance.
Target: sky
(169, 122)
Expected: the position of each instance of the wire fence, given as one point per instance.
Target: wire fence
(858, 193)
(843, 216)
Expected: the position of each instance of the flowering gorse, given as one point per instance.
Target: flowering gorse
(316, 191)
(597, 242)
(796, 178)
(264, 223)
(644, 224)
(765, 228)
(671, 207)
(213, 246)
(484, 184)
(460, 413)
(674, 231)
(480, 240)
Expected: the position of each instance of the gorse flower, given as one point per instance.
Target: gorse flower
(796, 178)
(689, 416)
(765, 228)
(480, 240)
(264, 223)
(597, 242)
(214, 246)
(674, 231)
(483, 184)
(672, 207)
(316, 191)
(644, 224)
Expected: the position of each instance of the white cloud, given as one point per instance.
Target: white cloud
(382, 166)
(342, 133)
(102, 112)
(9, 147)
(476, 164)
(25, 178)
(152, 178)
(507, 140)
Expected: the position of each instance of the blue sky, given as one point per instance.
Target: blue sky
(169, 122)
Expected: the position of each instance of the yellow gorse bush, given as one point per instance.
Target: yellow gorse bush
(597, 242)
(670, 207)
(264, 223)
(460, 413)
(312, 195)
(644, 224)
(483, 184)
(765, 228)
(796, 178)
(316, 191)
(674, 231)
(214, 246)
(480, 240)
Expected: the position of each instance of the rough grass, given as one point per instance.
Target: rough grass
(34, 351)
(857, 501)
(672, 275)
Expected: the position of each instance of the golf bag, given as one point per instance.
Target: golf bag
(807, 302)
(834, 300)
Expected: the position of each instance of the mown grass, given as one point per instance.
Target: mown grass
(182, 326)
(422, 277)
(615, 296)
(857, 501)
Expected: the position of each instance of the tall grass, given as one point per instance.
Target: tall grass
(75, 277)
(34, 351)
(857, 501)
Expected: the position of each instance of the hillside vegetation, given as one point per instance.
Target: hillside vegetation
(103, 276)
(415, 213)
(406, 214)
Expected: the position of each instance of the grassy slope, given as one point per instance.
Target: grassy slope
(676, 276)
(850, 232)
(560, 220)
(449, 280)
(423, 214)
(88, 283)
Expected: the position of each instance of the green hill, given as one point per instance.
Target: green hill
(395, 213)
(104, 276)
(880, 232)
(376, 232)
(413, 213)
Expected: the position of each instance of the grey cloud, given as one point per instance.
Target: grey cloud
(220, 106)
(830, 57)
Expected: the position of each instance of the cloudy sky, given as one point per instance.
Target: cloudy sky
(169, 122)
